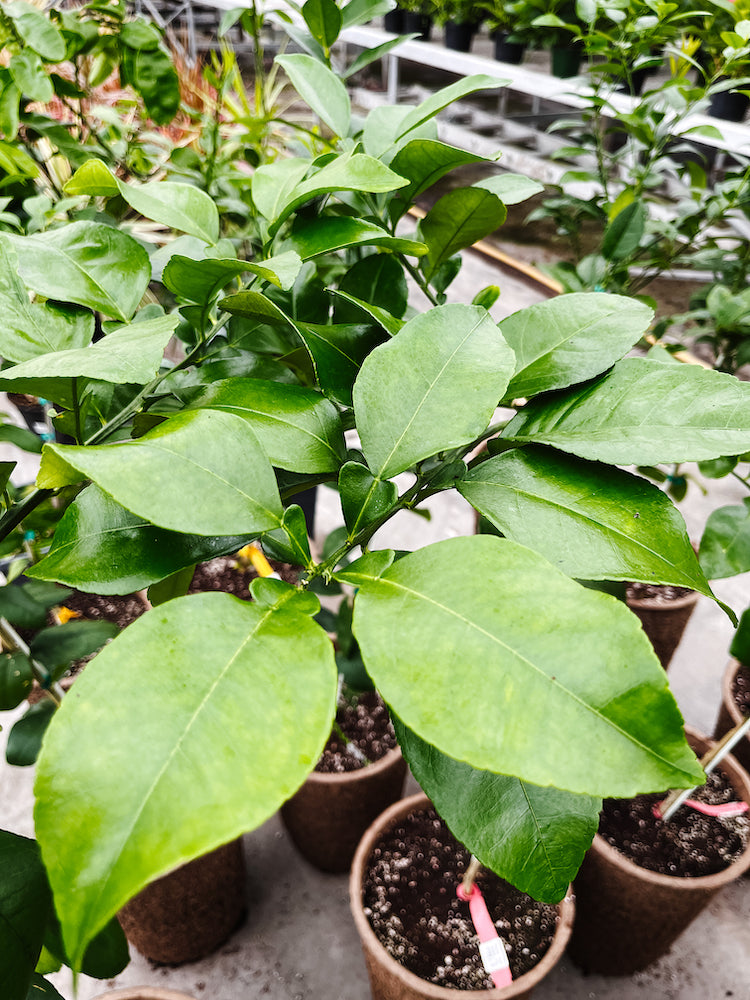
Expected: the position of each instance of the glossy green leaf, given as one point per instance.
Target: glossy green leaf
(445, 97)
(533, 837)
(362, 11)
(183, 207)
(323, 18)
(274, 184)
(85, 262)
(423, 162)
(105, 957)
(27, 606)
(132, 354)
(338, 352)
(166, 475)
(42, 989)
(299, 429)
(362, 310)
(15, 680)
(511, 188)
(37, 30)
(25, 738)
(571, 338)
(358, 172)
(25, 904)
(296, 528)
(59, 645)
(153, 75)
(363, 497)
(643, 413)
(200, 280)
(376, 280)
(607, 524)
(458, 220)
(434, 386)
(226, 704)
(312, 239)
(623, 233)
(740, 645)
(368, 56)
(725, 545)
(498, 636)
(99, 546)
(321, 88)
(31, 77)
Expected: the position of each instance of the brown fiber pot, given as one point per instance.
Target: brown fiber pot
(730, 715)
(143, 993)
(188, 913)
(391, 981)
(626, 916)
(664, 623)
(328, 815)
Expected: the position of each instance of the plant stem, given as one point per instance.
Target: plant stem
(419, 279)
(13, 517)
(745, 481)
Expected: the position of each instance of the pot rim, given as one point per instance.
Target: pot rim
(520, 986)
(679, 883)
(349, 777)
(652, 604)
(726, 691)
(143, 993)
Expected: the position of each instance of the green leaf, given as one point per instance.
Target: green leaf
(36, 30)
(511, 188)
(180, 206)
(445, 97)
(607, 524)
(458, 220)
(298, 428)
(384, 319)
(725, 545)
(200, 280)
(152, 74)
(42, 989)
(338, 352)
(274, 184)
(368, 56)
(323, 18)
(25, 904)
(375, 280)
(166, 475)
(435, 386)
(132, 354)
(99, 546)
(30, 76)
(740, 646)
(623, 233)
(643, 413)
(362, 11)
(87, 263)
(176, 585)
(25, 738)
(294, 524)
(571, 338)
(231, 713)
(106, 956)
(533, 837)
(483, 629)
(324, 235)
(60, 645)
(319, 87)
(423, 162)
(16, 680)
(363, 497)
(27, 606)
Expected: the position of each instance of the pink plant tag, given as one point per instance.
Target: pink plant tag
(491, 948)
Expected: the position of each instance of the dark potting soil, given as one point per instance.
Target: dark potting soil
(229, 575)
(411, 903)
(365, 722)
(662, 593)
(97, 607)
(690, 844)
(741, 689)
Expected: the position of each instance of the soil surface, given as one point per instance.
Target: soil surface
(690, 844)
(741, 689)
(410, 900)
(662, 593)
(365, 723)
(229, 575)
(99, 607)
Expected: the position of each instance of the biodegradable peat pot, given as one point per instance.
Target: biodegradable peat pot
(188, 913)
(730, 715)
(144, 993)
(664, 621)
(328, 815)
(627, 916)
(391, 981)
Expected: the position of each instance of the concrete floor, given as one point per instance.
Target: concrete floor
(299, 943)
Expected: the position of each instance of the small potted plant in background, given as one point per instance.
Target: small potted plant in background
(501, 24)
(459, 18)
(418, 18)
(725, 51)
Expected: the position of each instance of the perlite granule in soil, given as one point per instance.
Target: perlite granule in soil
(366, 724)
(410, 900)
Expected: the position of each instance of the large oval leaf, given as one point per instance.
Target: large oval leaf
(606, 524)
(433, 386)
(423, 162)
(229, 738)
(725, 545)
(571, 338)
(459, 219)
(299, 429)
(321, 89)
(202, 472)
(100, 547)
(533, 837)
(492, 655)
(88, 263)
(336, 233)
(642, 413)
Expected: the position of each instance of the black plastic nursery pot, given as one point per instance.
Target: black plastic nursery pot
(389, 980)
(565, 61)
(506, 51)
(729, 105)
(417, 24)
(394, 21)
(626, 916)
(458, 37)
